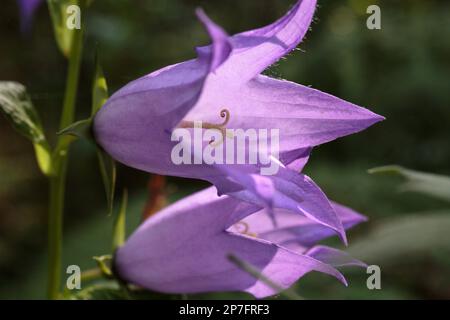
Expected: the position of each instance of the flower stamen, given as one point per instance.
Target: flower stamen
(221, 127)
(245, 230)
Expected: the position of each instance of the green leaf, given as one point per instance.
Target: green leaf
(410, 236)
(99, 87)
(434, 185)
(43, 157)
(107, 164)
(119, 231)
(16, 105)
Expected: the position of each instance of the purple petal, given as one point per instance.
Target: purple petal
(334, 257)
(135, 124)
(221, 45)
(304, 116)
(256, 50)
(285, 190)
(296, 159)
(295, 231)
(318, 117)
(27, 11)
(184, 249)
(148, 108)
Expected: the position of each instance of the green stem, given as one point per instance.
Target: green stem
(58, 179)
(55, 223)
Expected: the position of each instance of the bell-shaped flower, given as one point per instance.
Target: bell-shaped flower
(27, 11)
(185, 247)
(153, 118)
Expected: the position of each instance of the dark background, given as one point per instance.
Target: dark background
(401, 72)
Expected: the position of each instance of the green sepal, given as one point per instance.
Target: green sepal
(119, 230)
(104, 264)
(107, 164)
(99, 87)
(80, 130)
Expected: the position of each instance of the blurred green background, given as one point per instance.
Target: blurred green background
(401, 72)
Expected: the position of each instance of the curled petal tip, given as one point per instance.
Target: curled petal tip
(221, 47)
(264, 46)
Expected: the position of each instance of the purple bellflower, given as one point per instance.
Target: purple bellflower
(27, 11)
(224, 88)
(184, 247)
